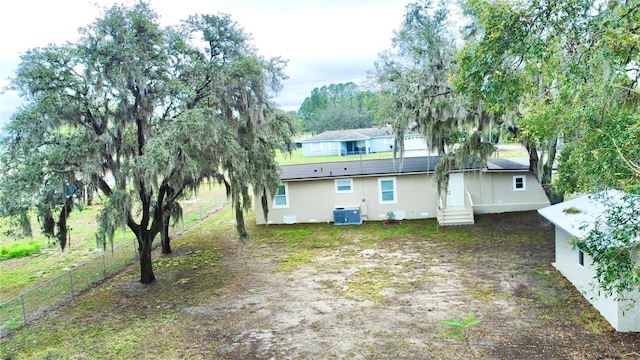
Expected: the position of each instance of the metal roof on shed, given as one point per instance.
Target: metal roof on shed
(586, 211)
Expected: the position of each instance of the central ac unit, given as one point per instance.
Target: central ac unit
(347, 216)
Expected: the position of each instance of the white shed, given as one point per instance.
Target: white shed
(575, 219)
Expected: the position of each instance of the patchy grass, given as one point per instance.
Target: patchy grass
(375, 293)
(586, 315)
(20, 274)
(368, 284)
(121, 317)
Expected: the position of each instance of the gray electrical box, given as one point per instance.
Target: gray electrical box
(347, 216)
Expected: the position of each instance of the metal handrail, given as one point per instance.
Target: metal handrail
(470, 202)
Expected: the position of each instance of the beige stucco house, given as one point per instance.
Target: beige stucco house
(355, 191)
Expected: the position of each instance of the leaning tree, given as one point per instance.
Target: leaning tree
(144, 113)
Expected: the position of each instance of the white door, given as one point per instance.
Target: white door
(455, 190)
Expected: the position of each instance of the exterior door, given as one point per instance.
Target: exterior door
(455, 190)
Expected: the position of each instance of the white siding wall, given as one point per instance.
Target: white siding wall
(381, 144)
(320, 148)
(415, 142)
(617, 313)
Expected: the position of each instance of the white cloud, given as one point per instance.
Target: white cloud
(325, 42)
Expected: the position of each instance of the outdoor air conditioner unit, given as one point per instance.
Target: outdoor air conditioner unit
(347, 216)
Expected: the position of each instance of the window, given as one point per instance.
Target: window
(344, 186)
(281, 199)
(387, 187)
(520, 183)
(580, 257)
(315, 147)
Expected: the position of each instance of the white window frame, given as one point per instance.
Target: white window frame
(515, 183)
(395, 191)
(286, 197)
(580, 258)
(338, 191)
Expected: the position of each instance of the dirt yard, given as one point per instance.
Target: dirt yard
(330, 292)
(386, 300)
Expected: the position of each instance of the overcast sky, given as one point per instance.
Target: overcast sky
(325, 41)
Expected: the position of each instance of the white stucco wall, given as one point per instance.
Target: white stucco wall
(620, 314)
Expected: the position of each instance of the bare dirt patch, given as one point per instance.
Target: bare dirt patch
(329, 292)
(367, 300)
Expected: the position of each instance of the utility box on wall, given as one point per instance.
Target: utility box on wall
(347, 216)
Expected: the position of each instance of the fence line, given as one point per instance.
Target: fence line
(61, 289)
(41, 299)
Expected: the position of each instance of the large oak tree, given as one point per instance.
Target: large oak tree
(143, 113)
(571, 69)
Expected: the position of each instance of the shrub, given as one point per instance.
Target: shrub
(20, 249)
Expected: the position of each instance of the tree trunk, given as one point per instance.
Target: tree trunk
(240, 226)
(547, 172)
(164, 236)
(441, 149)
(25, 223)
(144, 249)
(533, 157)
(90, 195)
(62, 222)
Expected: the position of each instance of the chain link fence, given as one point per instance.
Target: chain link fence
(57, 291)
(50, 295)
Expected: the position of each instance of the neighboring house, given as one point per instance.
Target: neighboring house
(574, 219)
(357, 141)
(371, 189)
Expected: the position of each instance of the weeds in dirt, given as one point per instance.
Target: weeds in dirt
(460, 329)
(566, 304)
(483, 293)
(368, 284)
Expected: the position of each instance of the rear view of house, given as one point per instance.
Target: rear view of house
(314, 192)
